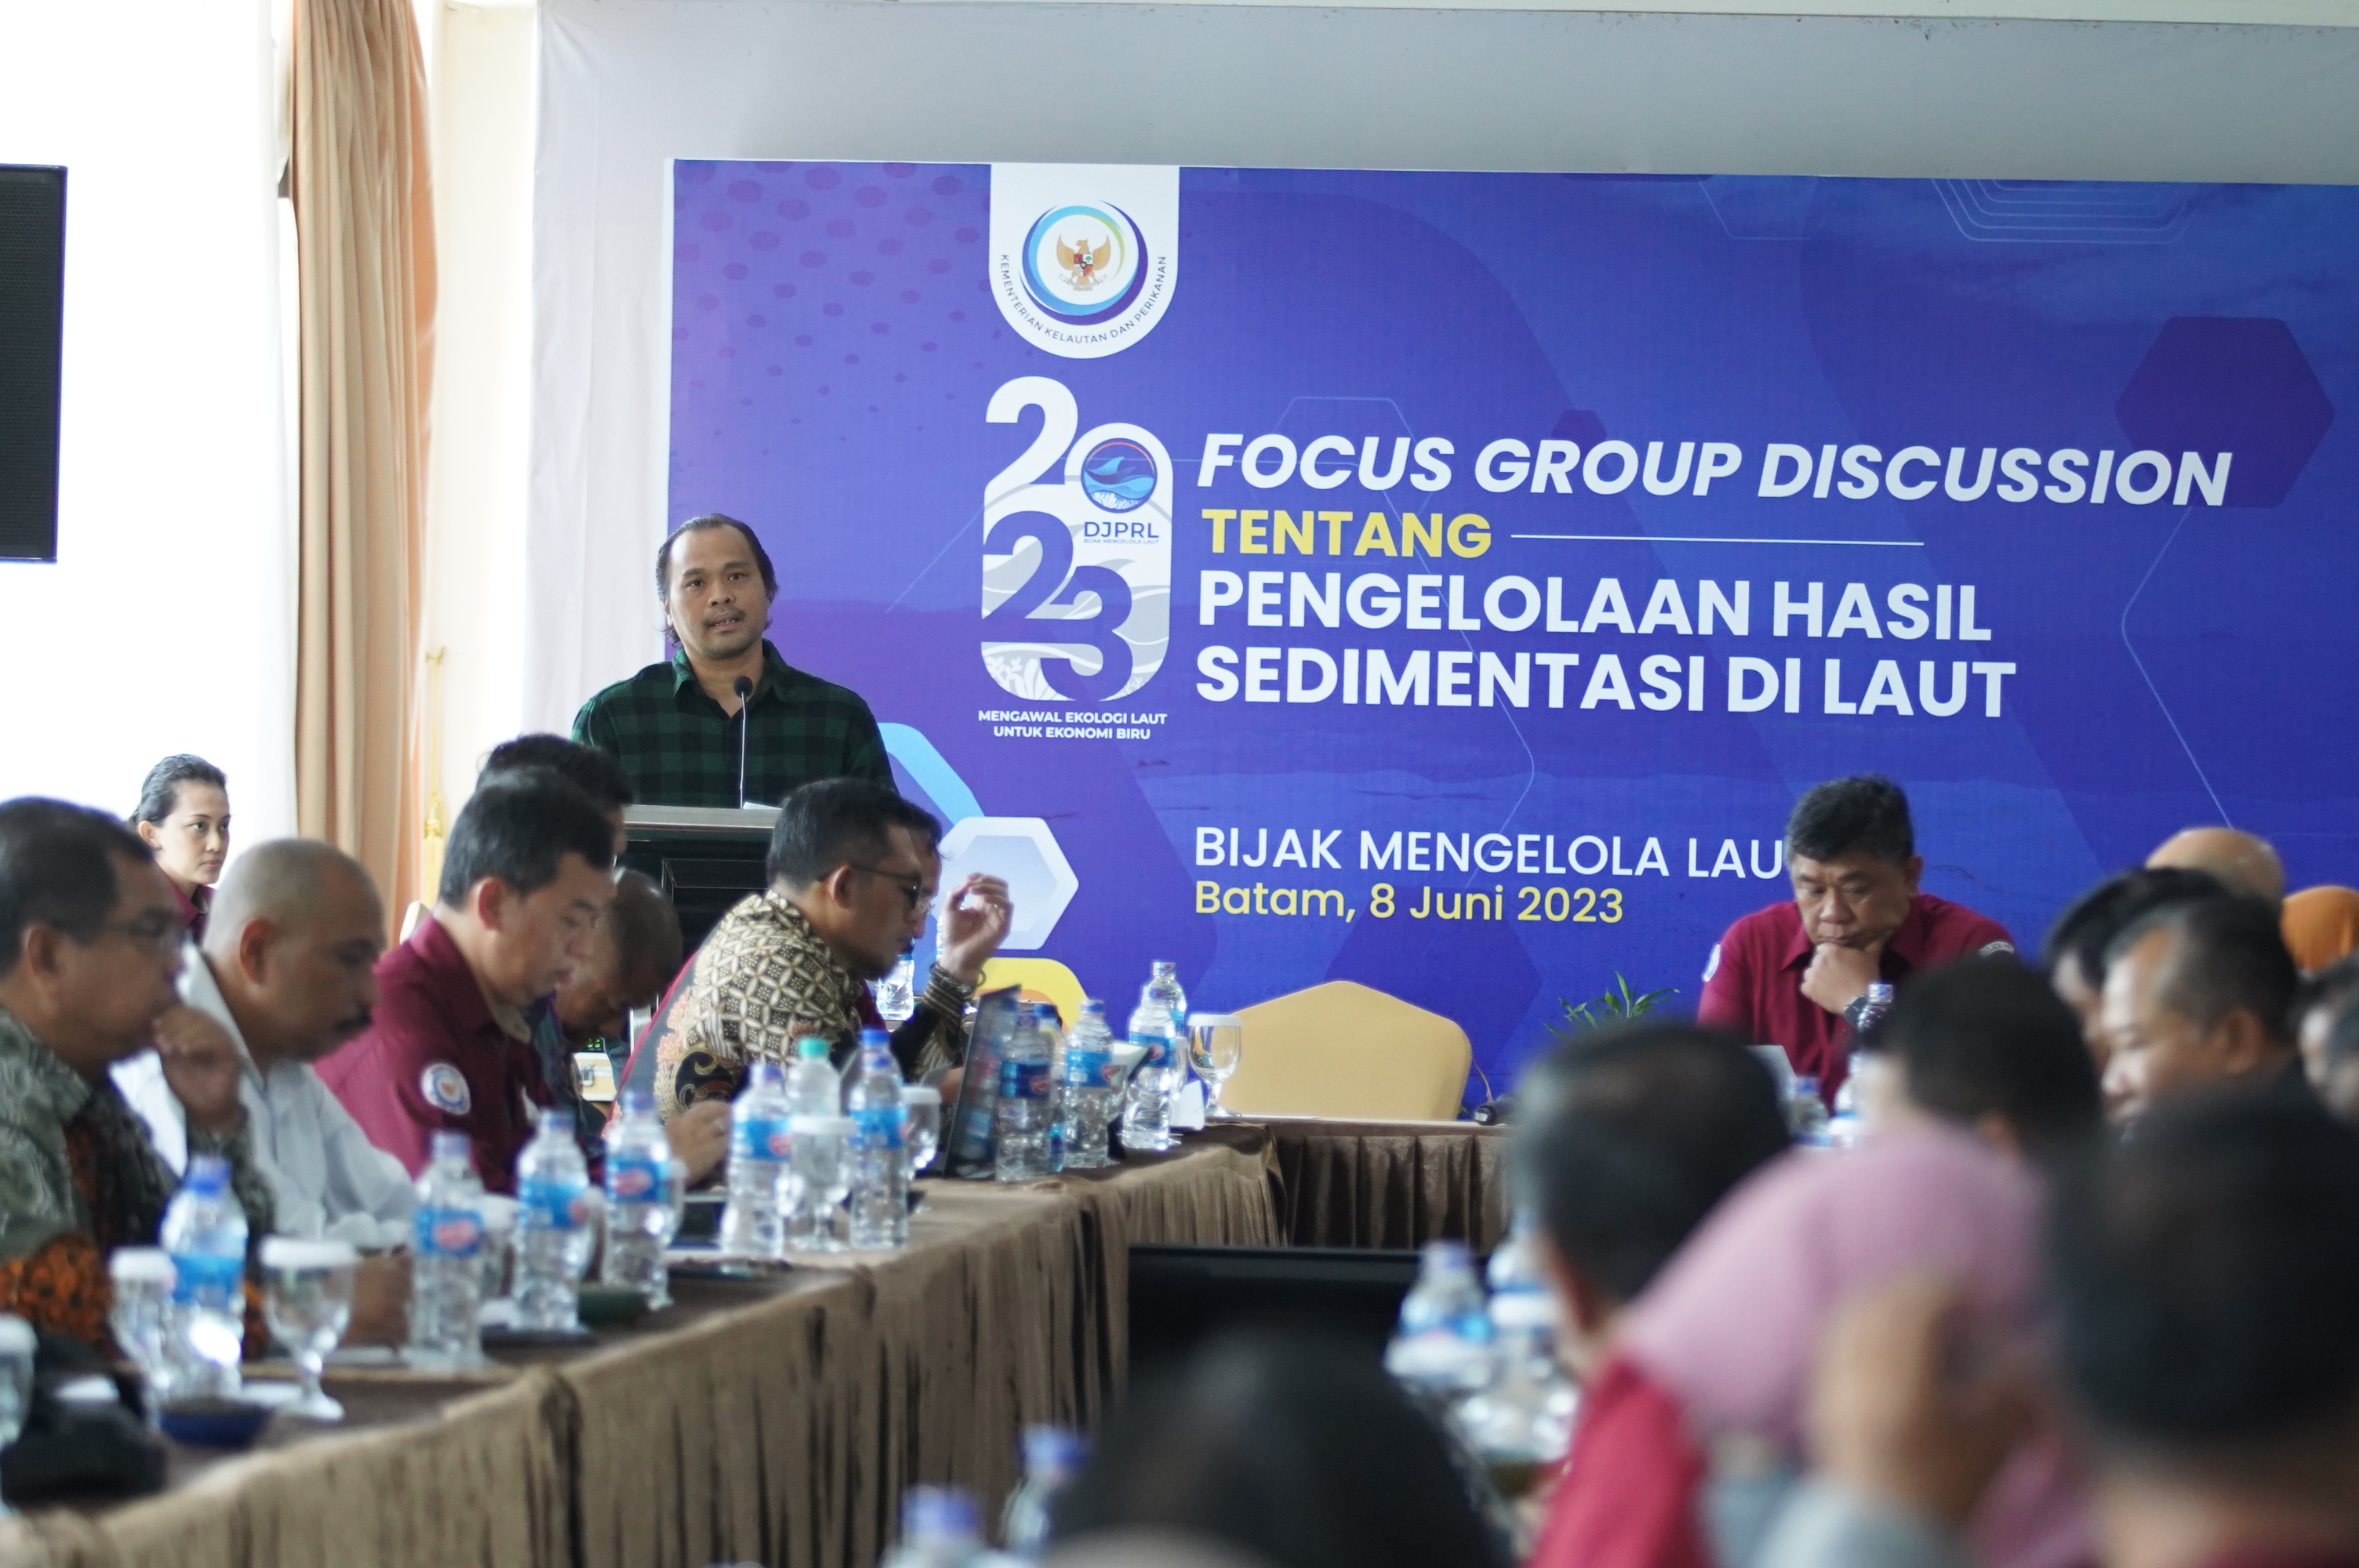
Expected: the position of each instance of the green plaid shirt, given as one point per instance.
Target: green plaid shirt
(680, 749)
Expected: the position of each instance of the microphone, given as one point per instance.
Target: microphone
(745, 690)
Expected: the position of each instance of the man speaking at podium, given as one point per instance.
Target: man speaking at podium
(725, 721)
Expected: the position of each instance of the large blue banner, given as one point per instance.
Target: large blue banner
(1447, 581)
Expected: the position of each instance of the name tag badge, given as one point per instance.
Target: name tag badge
(595, 1072)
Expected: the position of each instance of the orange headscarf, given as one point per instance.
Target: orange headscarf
(2321, 923)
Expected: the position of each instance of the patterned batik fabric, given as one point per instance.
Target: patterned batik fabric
(763, 981)
(78, 1178)
(681, 748)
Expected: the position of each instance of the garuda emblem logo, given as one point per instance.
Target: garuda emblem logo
(1082, 262)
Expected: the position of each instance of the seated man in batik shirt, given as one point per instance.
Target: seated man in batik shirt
(853, 868)
(89, 941)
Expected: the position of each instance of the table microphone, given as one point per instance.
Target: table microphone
(745, 690)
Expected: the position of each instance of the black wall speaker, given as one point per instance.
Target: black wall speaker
(32, 321)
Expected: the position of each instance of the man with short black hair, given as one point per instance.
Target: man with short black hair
(2198, 995)
(2077, 943)
(588, 769)
(1625, 1139)
(1795, 973)
(89, 941)
(853, 868)
(677, 727)
(450, 1049)
(1984, 1044)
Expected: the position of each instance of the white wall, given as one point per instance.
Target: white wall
(167, 623)
(626, 84)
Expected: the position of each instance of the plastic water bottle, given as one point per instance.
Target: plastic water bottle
(445, 1280)
(1806, 1114)
(1020, 1140)
(1046, 1020)
(761, 1143)
(641, 1198)
(1523, 1421)
(813, 1088)
(1442, 1348)
(204, 1231)
(880, 1131)
(941, 1528)
(1086, 1103)
(1147, 1108)
(1052, 1456)
(557, 1227)
(1163, 987)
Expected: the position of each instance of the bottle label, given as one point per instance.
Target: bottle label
(1088, 1069)
(1158, 1049)
(761, 1138)
(448, 1232)
(208, 1274)
(560, 1205)
(1023, 1080)
(638, 1178)
(880, 1128)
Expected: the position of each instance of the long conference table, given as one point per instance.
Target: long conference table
(778, 1421)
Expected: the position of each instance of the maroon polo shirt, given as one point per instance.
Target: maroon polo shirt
(1753, 984)
(434, 1059)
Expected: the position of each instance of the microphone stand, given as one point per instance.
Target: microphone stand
(745, 690)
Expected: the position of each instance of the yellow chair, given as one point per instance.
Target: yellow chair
(1349, 1053)
(1043, 980)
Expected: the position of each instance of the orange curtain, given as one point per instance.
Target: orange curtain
(364, 236)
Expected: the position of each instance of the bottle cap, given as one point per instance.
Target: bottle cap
(766, 1074)
(939, 1513)
(17, 1338)
(639, 1102)
(810, 1048)
(1093, 1006)
(1804, 1084)
(207, 1173)
(554, 1118)
(142, 1265)
(1051, 1451)
(921, 1094)
(449, 1146)
(875, 1040)
(1447, 1254)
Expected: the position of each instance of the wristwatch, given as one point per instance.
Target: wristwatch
(1853, 1009)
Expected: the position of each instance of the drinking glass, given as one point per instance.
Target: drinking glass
(1216, 1043)
(823, 1173)
(924, 1133)
(17, 1343)
(308, 1300)
(141, 1317)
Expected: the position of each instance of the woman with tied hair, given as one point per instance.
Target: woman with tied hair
(183, 814)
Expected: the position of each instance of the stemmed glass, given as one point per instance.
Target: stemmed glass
(17, 1345)
(308, 1300)
(1216, 1043)
(822, 1168)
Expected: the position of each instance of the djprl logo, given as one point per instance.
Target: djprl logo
(1083, 262)
(1118, 474)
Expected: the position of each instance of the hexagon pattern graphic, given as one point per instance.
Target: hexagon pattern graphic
(2230, 383)
(1022, 850)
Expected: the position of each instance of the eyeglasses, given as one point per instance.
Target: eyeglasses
(911, 888)
(156, 932)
